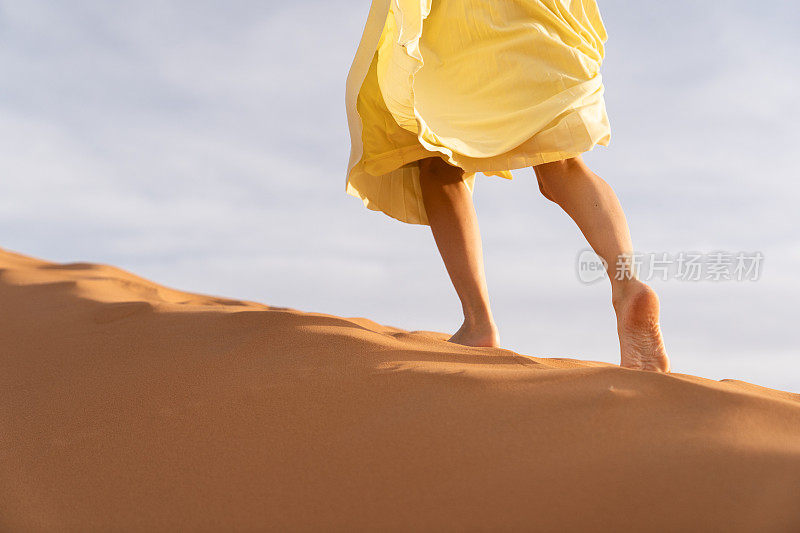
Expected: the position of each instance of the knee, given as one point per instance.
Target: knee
(552, 176)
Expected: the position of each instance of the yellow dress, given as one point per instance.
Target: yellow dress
(487, 85)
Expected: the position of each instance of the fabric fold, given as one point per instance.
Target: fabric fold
(488, 87)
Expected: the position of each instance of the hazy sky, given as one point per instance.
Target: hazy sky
(203, 145)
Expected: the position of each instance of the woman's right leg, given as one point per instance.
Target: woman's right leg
(454, 224)
(594, 206)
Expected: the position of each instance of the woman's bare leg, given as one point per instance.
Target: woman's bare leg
(592, 204)
(454, 224)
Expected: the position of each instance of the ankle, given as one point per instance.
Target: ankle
(480, 322)
(621, 291)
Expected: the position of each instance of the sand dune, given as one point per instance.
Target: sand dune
(130, 406)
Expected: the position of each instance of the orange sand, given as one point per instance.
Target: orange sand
(130, 406)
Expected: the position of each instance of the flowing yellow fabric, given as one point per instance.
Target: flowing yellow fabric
(487, 86)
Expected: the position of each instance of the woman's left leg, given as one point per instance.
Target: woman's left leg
(592, 204)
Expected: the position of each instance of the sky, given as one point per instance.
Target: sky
(203, 145)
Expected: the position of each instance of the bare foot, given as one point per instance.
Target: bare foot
(640, 341)
(482, 335)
